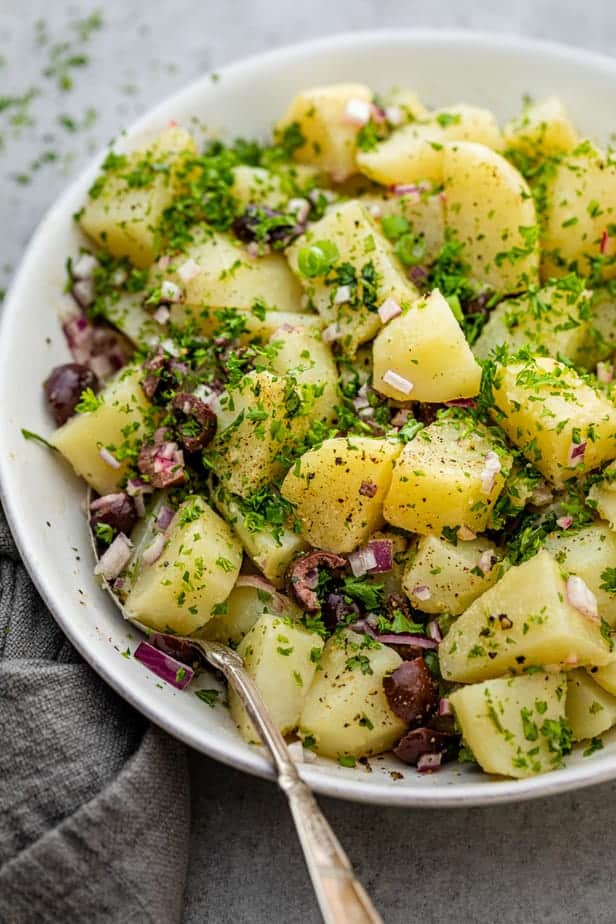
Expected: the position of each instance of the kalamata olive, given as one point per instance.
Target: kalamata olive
(336, 609)
(162, 461)
(195, 421)
(162, 374)
(303, 576)
(115, 510)
(266, 226)
(422, 741)
(411, 692)
(63, 388)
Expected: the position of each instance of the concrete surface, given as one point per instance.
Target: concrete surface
(545, 862)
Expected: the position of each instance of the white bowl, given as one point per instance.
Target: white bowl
(42, 498)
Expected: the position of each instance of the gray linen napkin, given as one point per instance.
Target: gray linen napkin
(94, 802)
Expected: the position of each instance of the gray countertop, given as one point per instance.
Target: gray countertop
(544, 861)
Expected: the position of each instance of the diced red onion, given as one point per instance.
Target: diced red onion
(84, 266)
(139, 505)
(106, 500)
(394, 638)
(315, 194)
(375, 210)
(461, 402)
(153, 552)
(564, 522)
(362, 561)
(444, 707)
(398, 382)
(83, 292)
(418, 274)
(360, 402)
(378, 114)
(605, 373)
(115, 558)
(571, 659)
(434, 631)
(108, 458)
(136, 486)
(394, 115)
(429, 762)
(279, 603)
(101, 366)
(576, 453)
(162, 314)
(581, 598)
(357, 112)
(382, 549)
(300, 208)
(163, 262)
(189, 270)
(466, 534)
(422, 592)
(486, 562)
(119, 277)
(409, 189)
(491, 468)
(389, 309)
(605, 241)
(541, 495)
(170, 291)
(401, 416)
(170, 347)
(366, 413)
(164, 666)
(164, 518)
(331, 333)
(342, 294)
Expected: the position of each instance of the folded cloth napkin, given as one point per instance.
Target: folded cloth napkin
(94, 802)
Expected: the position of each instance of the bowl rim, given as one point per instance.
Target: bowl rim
(451, 795)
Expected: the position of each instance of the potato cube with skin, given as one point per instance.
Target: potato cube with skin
(447, 478)
(561, 424)
(489, 209)
(127, 202)
(441, 577)
(365, 273)
(281, 657)
(556, 319)
(524, 620)
(591, 710)
(422, 210)
(216, 273)
(195, 572)
(338, 490)
(271, 548)
(346, 710)
(588, 552)
(115, 428)
(541, 128)
(515, 726)
(603, 494)
(580, 217)
(423, 354)
(414, 153)
(329, 119)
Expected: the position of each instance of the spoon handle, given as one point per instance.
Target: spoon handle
(342, 899)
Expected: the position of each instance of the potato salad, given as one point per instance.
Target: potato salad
(345, 401)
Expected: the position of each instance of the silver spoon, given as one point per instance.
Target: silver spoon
(342, 898)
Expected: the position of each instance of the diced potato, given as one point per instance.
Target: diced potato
(423, 211)
(587, 552)
(360, 243)
(489, 209)
(603, 325)
(603, 494)
(440, 480)
(229, 278)
(581, 207)
(196, 571)
(281, 657)
(131, 318)
(548, 411)
(415, 152)
(330, 135)
(515, 726)
(302, 354)
(541, 128)
(452, 574)
(426, 347)
(555, 319)
(338, 490)
(122, 214)
(408, 102)
(117, 425)
(246, 603)
(391, 581)
(346, 710)
(524, 620)
(605, 676)
(272, 549)
(590, 709)
(255, 185)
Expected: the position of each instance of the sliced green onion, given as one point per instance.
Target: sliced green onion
(318, 259)
(411, 250)
(394, 226)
